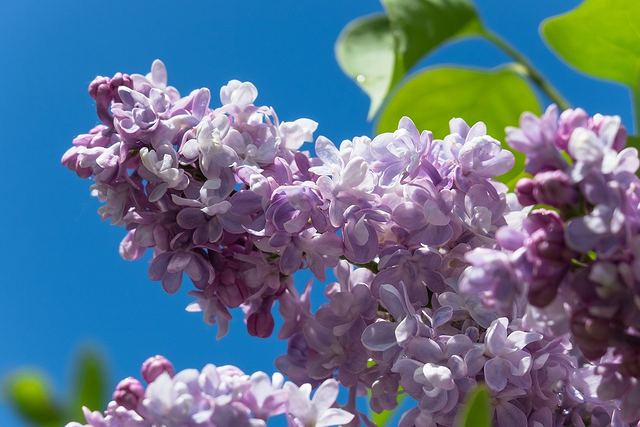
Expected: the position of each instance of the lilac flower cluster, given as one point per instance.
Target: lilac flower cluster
(215, 397)
(210, 192)
(440, 271)
(573, 266)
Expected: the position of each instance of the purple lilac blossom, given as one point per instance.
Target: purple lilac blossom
(217, 397)
(575, 265)
(444, 279)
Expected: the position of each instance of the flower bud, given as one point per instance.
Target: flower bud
(155, 366)
(128, 393)
(554, 188)
(524, 191)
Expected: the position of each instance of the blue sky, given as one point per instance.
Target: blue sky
(63, 283)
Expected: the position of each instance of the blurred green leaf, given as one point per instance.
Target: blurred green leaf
(600, 38)
(366, 52)
(89, 383)
(477, 410)
(420, 26)
(29, 394)
(633, 141)
(434, 96)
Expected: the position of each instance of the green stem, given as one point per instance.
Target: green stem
(528, 69)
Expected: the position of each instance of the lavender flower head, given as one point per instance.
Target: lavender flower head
(217, 397)
(444, 279)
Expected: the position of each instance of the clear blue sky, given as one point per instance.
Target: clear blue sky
(62, 282)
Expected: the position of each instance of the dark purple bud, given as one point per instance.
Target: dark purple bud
(128, 393)
(554, 188)
(543, 291)
(155, 366)
(524, 191)
(261, 323)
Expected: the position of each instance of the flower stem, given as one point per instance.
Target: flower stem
(528, 69)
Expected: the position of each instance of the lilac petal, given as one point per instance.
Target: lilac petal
(158, 267)
(379, 336)
(508, 415)
(409, 216)
(334, 417)
(477, 130)
(200, 103)
(520, 339)
(439, 376)
(392, 301)
(290, 260)
(190, 218)
(435, 401)
(354, 172)
(171, 282)
(458, 344)
(496, 372)
(406, 329)
(214, 230)
(159, 73)
(496, 337)
(327, 152)
(179, 261)
(424, 350)
(217, 208)
(441, 316)
(325, 395)
(298, 398)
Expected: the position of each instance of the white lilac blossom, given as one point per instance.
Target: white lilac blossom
(215, 397)
(444, 279)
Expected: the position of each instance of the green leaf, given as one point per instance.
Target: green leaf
(420, 26)
(30, 395)
(633, 141)
(600, 38)
(434, 96)
(89, 384)
(366, 52)
(477, 410)
(377, 51)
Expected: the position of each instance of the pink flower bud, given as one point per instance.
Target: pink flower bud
(154, 366)
(128, 393)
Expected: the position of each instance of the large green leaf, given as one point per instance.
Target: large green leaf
(477, 410)
(29, 394)
(366, 52)
(434, 96)
(377, 51)
(420, 26)
(600, 38)
(90, 383)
